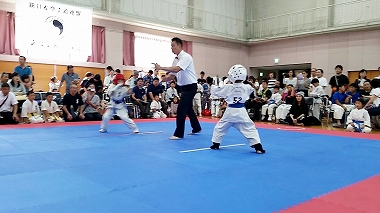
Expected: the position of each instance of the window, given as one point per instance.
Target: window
(152, 49)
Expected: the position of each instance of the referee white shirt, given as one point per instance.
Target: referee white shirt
(187, 74)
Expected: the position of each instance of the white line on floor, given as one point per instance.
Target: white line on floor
(201, 149)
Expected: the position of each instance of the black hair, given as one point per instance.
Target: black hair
(24, 77)
(139, 79)
(202, 73)
(48, 93)
(29, 92)
(224, 78)
(4, 73)
(163, 75)
(264, 80)
(375, 83)
(274, 74)
(5, 85)
(172, 82)
(361, 100)
(99, 88)
(361, 71)
(314, 80)
(339, 66)
(150, 71)
(156, 79)
(22, 57)
(81, 91)
(300, 107)
(177, 40)
(12, 82)
(354, 85)
(320, 70)
(69, 67)
(117, 71)
(209, 80)
(340, 85)
(109, 68)
(97, 77)
(88, 74)
(276, 87)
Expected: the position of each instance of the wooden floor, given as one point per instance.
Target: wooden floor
(324, 125)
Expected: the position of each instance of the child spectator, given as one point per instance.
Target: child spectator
(359, 120)
(30, 112)
(288, 97)
(316, 91)
(338, 100)
(50, 109)
(174, 107)
(25, 79)
(54, 84)
(215, 105)
(171, 92)
(272, 103)
(361, 79)
(197, 100)
(353, 93)
(223, 107)
(155, 107)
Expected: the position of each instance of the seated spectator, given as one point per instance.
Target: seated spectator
(171, 92)
(358, 120)
(95, 80)
(91, 104)
(4, 78)
(339, 105)
(155, 107)
(139, 98)
(263, 97)
(299, 113)
(366, 91)
(16, 86)
(85, 80)
(155, 89)
(353, 93)
(8, 106)
(373, 105)
(54, 84)
(223, 107)
(26, 82)
(272, 103)
(73, 105)
(361, 79)
(50, 109)
(288, 96)
(197, 105)
(148, 78)
(174, 107)
(30, 112)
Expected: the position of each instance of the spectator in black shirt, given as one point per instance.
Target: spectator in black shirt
(366, 89)
(338, 79)
(96, 81)
(73, 105)
(155, 89)
(139, 98)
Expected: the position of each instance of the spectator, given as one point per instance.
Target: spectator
(85, 80)
(117, 71)
(272, 103)
(291, 80)
(164, 84)
(139, 98)
(378, 77)
(358, 120)
(304, 83)
(263, 97)
(8, 106)
(278, 83)
(313, 73)
(155, 89)
(96, 81)
(361, 79)
(50, 109)
(374, 103)
(54, 84)
(132, 81)
(69, 78)
(109, 78)
(197, 105)
(338, 79)
(366, 89)
(16, 86)
(223, 107)
(338, 100)
(322, 80)
(73, 105)
(4, 78)
(171, 92)
(25, 81)
(316, 91)
(155, 107)
(202, 78)
(148, 78)
(156, 75)
(91, 104)
(271, 80)
(206, 104)
(298, 115)
(174, 107)
(30, 112)
(288, 97)
(22, 69)
(353, 93)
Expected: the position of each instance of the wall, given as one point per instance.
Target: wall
(353, 50)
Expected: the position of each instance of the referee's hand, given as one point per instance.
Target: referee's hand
(157, 66)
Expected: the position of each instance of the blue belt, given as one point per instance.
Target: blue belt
(118, 102)
(359, 129)
(237, 105)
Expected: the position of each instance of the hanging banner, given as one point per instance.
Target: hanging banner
(53, 30)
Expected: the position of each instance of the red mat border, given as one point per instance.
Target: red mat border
(339, 133)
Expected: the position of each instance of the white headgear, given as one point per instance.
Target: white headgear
(237, 72)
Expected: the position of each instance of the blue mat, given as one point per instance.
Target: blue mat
(77, 169)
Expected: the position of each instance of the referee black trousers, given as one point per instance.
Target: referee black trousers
(185, 108)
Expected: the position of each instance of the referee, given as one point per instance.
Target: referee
(183, 69)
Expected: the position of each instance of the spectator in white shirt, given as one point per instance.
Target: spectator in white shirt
(30, 112)
(171, 92)
(155, 107)
(54, 84)
(374, 102)
(8, 106)
(109, 78)
(197, 100)
(291, 79)
(316, 91)
(322, 80)
(131, 82)
(378, 77)
(16, 86)
(50, 109)
(313, 73)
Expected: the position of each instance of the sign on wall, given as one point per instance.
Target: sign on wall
(53, 30)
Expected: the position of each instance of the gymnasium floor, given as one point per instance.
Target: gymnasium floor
(73, 168)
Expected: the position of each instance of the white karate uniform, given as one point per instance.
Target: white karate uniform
(362, 118)
(276, 97)
(51, 109)
(282, 111)
(117, 93)
(197, 105)
(317, 93)
(235, 115)
(157, 106)
(215, 103)
(31, 110)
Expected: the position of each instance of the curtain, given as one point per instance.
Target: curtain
(98, 45)
(7, 33)
(128, 48)
(187, 46)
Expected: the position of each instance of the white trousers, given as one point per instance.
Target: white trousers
(215, 107)
(159, 114)
(238, 118)
(339, 111)
(269, 107)
(351, 129)
(197, 105)
(121, 111)
(317, 110)
(282, 111)
(36, 119)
